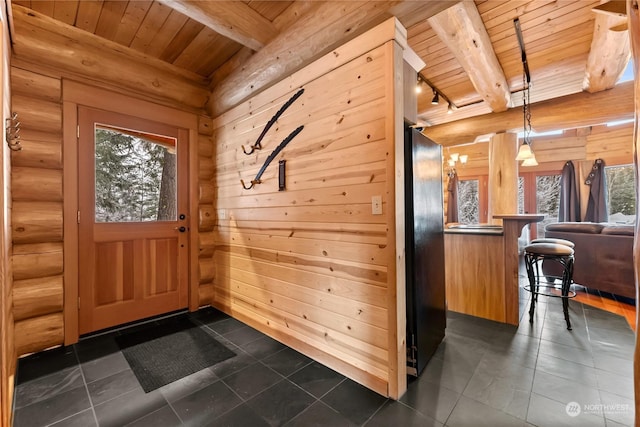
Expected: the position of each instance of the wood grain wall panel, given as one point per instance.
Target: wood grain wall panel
(310, 264)
(27, 83)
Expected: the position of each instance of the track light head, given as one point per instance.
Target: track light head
(436, 98)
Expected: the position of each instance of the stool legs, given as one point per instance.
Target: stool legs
(533, 274)
(566, 283)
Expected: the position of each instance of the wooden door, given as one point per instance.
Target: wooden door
(133, 228)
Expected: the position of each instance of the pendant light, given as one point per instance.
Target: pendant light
(525, 153)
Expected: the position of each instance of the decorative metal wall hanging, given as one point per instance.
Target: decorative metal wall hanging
(272, 156)
(12, 132)
(257, 145)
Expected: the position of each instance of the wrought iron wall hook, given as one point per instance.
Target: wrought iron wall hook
(272, 156)
(12, 132)
(276, 116)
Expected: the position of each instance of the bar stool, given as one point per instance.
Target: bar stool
(554, 240)
(557, 252)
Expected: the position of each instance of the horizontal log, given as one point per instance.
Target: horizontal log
(37, 260)
(205, 146)
(37, 297)
(573, 111)
(24, 82)
(39, 333)
(36, 184)
(205, 125)
(37, 154)
(36, 222)
(206, 167)
(206, 217)
(206, 270)
(205, 294)
(206, 243)
(42, 39)
(37, 114)
(206, 191)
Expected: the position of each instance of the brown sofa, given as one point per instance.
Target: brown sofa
(603, 255)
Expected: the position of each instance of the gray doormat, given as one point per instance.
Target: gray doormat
(169, 351)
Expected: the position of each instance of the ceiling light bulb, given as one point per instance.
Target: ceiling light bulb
(450, 109)
(436, 98)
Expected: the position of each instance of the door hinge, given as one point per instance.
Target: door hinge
(78, 131)
(78, 217)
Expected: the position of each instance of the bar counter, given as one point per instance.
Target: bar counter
(481, 268)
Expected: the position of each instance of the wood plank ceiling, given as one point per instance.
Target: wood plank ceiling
(471, 49)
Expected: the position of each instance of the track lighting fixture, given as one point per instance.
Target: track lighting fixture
(450, 109)
(436, 98)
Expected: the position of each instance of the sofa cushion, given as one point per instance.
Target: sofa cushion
(576, 227)
(621, 230)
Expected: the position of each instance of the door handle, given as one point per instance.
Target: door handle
(181, 229)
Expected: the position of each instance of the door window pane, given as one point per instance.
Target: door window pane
(520, 195)
(468, 202)
(547, 200)
(135, 176)
(621, 194)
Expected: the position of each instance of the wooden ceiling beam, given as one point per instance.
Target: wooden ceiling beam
(322, 28)
(460, 27)
(568, 112)
(609, 54)
(232, 19)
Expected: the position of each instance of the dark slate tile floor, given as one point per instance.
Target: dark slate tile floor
(483, 374)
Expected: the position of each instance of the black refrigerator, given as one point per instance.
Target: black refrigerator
(424, 231)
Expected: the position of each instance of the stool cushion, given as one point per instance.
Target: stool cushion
(556, 241)
(549, 249)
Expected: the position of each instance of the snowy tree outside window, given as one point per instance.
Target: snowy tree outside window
(547, 200)
(621, 194)
(134, 178)
(468, 202)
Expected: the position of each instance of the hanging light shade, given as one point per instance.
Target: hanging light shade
(531, 161)
(524, 152)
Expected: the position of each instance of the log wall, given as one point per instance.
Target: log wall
(36, 218)
(311, 266)
(7, 346)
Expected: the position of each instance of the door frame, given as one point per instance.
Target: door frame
(75, 94)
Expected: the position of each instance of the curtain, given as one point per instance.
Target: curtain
(597, 205)
(569, 197)
(452, 201)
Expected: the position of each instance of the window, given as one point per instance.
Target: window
(135, 176)
(539, 192)
(621, 194)
(468, 202)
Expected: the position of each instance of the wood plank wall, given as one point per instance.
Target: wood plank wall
(310, 266)
(37, 212)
